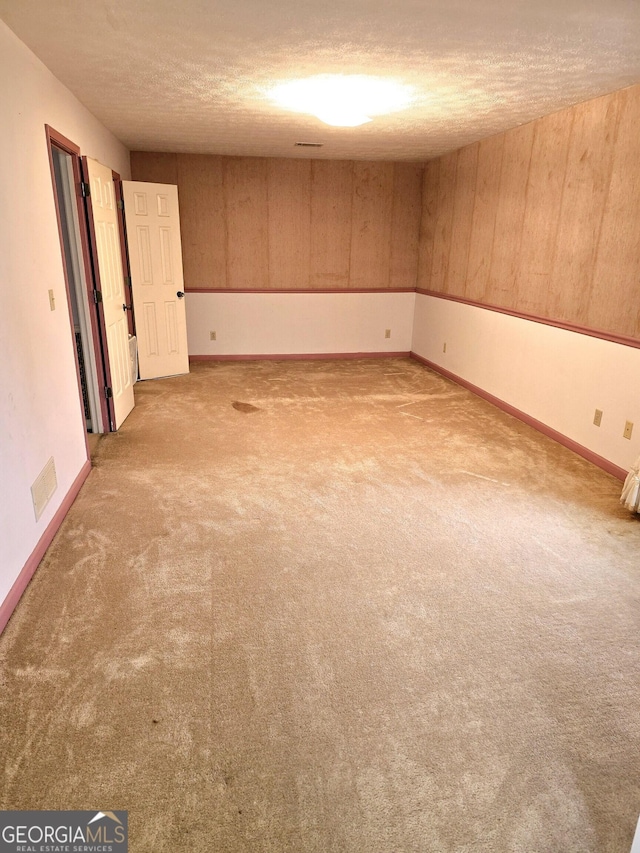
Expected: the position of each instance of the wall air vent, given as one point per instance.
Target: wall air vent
(44, 486)
(309, 144)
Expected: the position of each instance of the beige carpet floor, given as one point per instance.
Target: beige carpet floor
(332, 606)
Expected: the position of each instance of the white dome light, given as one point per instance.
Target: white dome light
(342, 100)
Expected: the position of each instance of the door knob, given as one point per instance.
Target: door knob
(180, 294)
(127, 307)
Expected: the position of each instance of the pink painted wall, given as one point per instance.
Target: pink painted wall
(299, 323)
(40, 413)
(554, 375)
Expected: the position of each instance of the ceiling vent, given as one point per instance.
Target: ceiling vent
(309, 144)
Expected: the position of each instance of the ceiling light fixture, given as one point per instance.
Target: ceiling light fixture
(342, 100)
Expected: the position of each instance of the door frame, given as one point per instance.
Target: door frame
(57, 140)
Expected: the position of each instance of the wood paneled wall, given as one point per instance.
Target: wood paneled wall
(290, 223)
(543, 219)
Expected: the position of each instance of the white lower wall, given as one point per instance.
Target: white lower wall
(40, 410)
(298, 323)
(554, 375)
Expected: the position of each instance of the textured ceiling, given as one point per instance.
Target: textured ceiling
(189, 75)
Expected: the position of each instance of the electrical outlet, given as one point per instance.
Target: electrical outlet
(628, 429)
(444, 347)
(387, 333)
(212, 336)
(52, 300)
(597, 418)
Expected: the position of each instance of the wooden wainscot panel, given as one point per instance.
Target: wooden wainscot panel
(485, 212)
(586, 185)
(371, 224)
(289, 183)
(245, 187)
(203, 221)
(614, 304)
(505, 255)
(430, 185)
(444, 221)
(463, 205)
(542, 211)
(331, 196)
(153, 167)
(405, 225)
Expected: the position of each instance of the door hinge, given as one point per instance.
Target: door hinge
(97, 296)
(85, 189)
(120, 204)
(108, 393)
(127, 280)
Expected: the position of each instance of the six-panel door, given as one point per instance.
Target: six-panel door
(155, 258)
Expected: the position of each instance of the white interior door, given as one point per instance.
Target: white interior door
(155, 256)
(105, 221)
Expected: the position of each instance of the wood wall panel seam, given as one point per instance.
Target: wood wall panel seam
(462, 220)
(473, 210)
(426, 225)
(225, 205)
(542, 209)
(554, 255)
(268, 184)
(310, 223)
(394, 190)
(483, 222)
(454, 209)
(351, 168)
(617, 269)
(605, 204)
(493, 238)
(510, 215)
